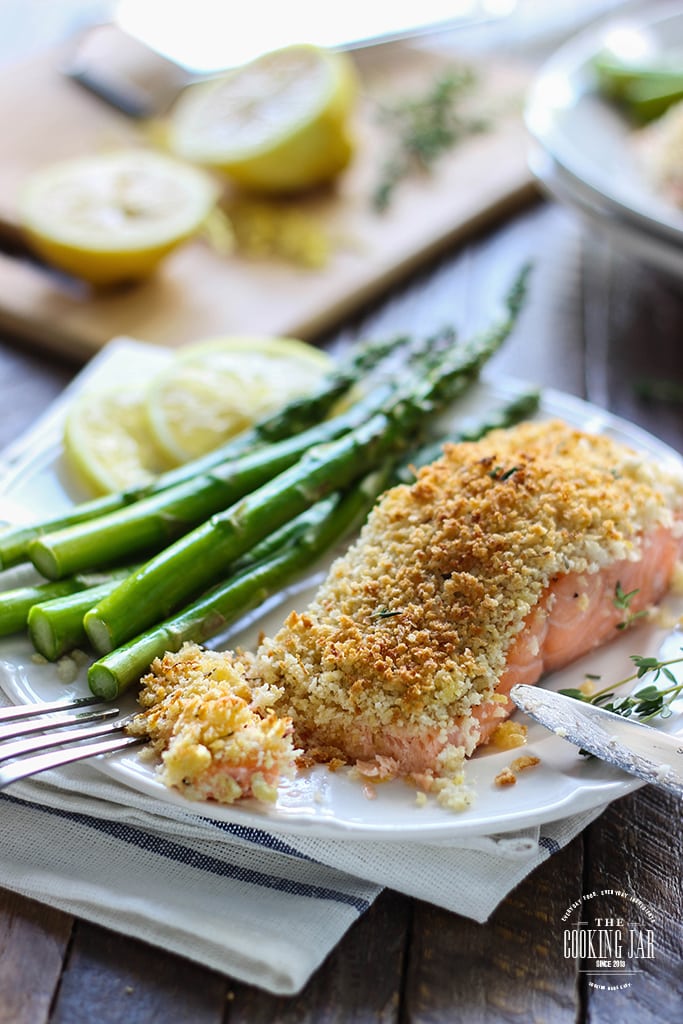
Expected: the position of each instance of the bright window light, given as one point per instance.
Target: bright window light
(208, 35)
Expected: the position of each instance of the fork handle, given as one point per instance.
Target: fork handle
(54, 759)
(15, 711)
(46, 740)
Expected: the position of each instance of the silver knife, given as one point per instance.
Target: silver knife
(633, 746)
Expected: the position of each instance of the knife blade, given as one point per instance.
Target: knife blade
(636, 748)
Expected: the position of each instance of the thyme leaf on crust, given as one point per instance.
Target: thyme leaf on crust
(498, 473)
(383, 613)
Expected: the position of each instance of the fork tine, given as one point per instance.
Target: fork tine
(31, 710)
(9, 751)
(42, 762)
(9, 732)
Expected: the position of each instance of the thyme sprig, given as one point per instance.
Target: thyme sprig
(622, 601)
(425, 127)
(498, 473)
(383, 613)
(646, 703)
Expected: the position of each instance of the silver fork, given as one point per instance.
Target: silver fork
(58, 732)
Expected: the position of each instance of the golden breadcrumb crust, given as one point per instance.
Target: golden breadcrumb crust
(412, 626)
(411, 629)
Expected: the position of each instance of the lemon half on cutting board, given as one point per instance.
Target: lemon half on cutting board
(214, 390)
(113, 217)
(277, 124)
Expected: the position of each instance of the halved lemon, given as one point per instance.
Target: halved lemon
(107, 440)
(113, 217)
(217, 388)
(277, 124)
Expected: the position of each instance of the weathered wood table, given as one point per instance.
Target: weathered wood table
(597, 321)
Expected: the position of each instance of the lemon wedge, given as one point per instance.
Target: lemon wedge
(113, 217)
(107, 441)
(217, 388)
(278, 124)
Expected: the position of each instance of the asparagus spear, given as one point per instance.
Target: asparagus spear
(16, 604)
(154, 521)
(316, 530)
(294, 417)
(198, 559)
(56, 626)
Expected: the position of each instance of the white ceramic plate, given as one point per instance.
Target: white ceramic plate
(588, 137)
(318, 802)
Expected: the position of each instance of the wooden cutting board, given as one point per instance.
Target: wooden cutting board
(200, 292)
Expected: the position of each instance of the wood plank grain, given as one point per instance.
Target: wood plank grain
(359, 983)
(33, 941)
(465, 288)
(508, 971)
(28, 384)
(109, 978)
(637, 848)
(632, 329)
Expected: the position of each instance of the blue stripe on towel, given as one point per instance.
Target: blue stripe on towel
(551, 845)
(258, 837)
(199, 861)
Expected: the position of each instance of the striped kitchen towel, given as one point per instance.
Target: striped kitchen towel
(258, 906)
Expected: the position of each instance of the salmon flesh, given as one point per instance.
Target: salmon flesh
(505, 560)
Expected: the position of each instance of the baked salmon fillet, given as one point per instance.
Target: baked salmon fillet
(507, 558)
(503, 561)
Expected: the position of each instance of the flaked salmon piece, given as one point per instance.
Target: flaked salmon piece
(218, 738)
(499, 564)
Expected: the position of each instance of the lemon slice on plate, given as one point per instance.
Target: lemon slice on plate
(113, 217)
(217, 388)
(107, 441)
(277, 124)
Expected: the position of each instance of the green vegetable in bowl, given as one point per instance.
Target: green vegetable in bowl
(646, 89)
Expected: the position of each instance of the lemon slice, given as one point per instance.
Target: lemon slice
(277, 124)
(107, 441)
(218, 388)
(113, 217)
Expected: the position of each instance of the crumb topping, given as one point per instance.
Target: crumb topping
(412, 626)
(520, 764)
(506, 777)
(408, 637)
